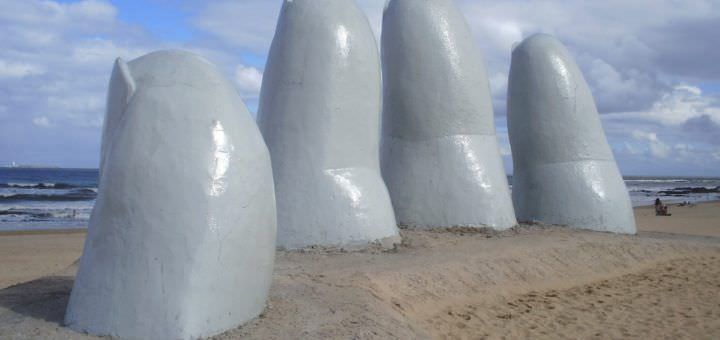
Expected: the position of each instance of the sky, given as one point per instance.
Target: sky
(653, 67)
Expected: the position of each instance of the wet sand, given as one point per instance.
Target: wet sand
(531, 282)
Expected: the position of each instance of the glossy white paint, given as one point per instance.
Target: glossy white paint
(565, 172)
(181, 240)
(319, 113)
(440, 157)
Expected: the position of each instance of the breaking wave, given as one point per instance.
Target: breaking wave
(73, 195)
(38, 185)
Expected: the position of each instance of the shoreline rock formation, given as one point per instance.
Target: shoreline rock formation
(565, 172)
(181, 241)
(319, 112)
(440, 156)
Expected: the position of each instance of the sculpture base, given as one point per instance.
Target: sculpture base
(449, 181)
(347, 208)
(581, 194)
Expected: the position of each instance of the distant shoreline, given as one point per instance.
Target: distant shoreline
(676, 204)
(625, 177)
(63, 198)
(43, 232)
(43, 167)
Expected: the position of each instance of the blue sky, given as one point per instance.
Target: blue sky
(652, 66)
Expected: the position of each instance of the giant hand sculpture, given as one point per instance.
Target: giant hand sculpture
(182, 238)
(440, 157)
(319, 113)
(565, 172)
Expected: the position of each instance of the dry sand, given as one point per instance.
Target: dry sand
(532, 282)
(701, 219)
(28, 255)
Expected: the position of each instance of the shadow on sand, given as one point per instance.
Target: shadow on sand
(45, 298)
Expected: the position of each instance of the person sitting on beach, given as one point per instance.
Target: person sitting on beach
(660, 209)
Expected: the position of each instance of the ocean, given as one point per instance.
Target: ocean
(36, 199)
(39, 199)
(644, 190)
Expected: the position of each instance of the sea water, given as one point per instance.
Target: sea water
(644, 190)
(39, 199)
(32, 199)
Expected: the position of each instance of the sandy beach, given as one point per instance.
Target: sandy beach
(529, 282)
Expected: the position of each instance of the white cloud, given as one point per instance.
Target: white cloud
(41, 121)
(688, 152)
(18, 70)
(498, 84)
(678, 106)
(657, 148)
(248, 80)
(503, 34)
(98, 10)
(33, 23)
(505, 150)
(614, 91)
(249, 24)
(716, 154)
(642, 135)
(631, 149)
(683, 103)
(76, 103)
(100, 51)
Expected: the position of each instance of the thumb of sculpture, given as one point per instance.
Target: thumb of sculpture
(181, 240)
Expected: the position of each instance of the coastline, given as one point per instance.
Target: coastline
(673, 204)
(43, 232)
(83, 230)
(60, 198)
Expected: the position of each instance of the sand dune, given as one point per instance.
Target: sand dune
(539, 282)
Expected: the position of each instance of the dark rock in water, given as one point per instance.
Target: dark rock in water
(689, 190)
